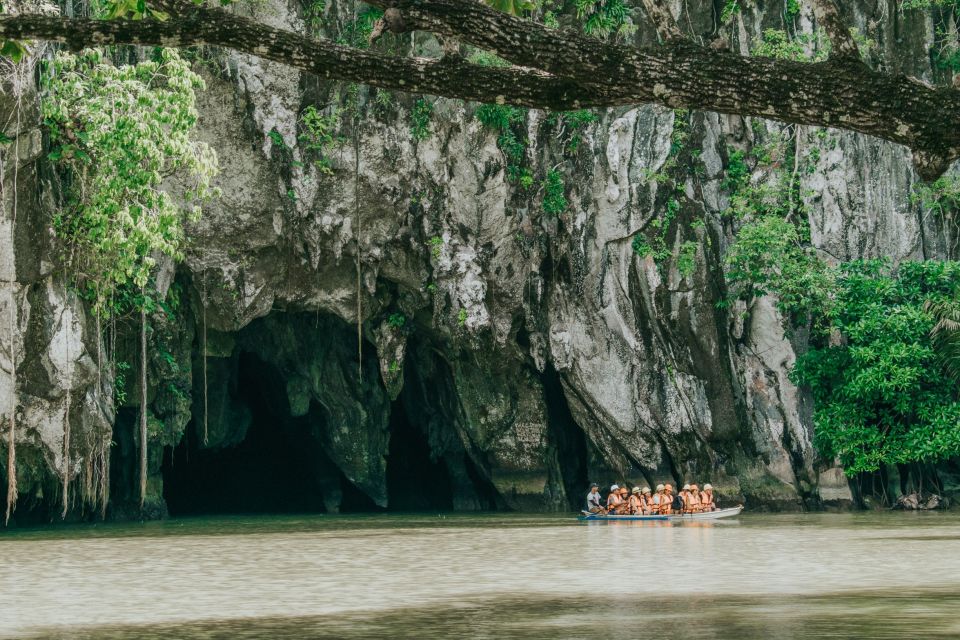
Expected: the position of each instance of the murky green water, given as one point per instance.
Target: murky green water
(493, 576)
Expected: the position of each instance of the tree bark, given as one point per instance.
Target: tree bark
(562, 70)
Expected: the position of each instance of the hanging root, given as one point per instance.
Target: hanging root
(205, 397)
(65, 490)
(143, 405)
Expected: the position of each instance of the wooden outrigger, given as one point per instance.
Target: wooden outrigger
(675, 517)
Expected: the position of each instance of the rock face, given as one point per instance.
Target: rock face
(422, 330)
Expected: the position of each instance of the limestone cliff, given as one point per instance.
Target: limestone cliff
(504, 352)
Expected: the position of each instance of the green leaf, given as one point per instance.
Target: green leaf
(14, 50)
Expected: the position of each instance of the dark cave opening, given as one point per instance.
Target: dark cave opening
(415, 480)
(272, 470)
(569, 438)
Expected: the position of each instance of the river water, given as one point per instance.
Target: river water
(890, 575)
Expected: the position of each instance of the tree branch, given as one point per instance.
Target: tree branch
(828, 16)
(456, 79)
(566, 71)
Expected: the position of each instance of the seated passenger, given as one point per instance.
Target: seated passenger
(666, 502)
(707, 501)
(657, 499)
(624, 507)
(685, 498)
(594, 499)
(693, 500)
(634, 504)
(646, 501)
(613, 500)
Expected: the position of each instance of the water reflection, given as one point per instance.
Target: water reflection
(815, 576)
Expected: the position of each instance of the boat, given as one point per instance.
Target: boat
(675, 517)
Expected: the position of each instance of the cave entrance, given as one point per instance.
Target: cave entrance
(274, 469)
(415, 480)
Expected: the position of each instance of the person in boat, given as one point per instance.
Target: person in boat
(684, 496)
(635, 503)
(657, 499)
(614, 500)
(646, 501)
(594, 499)
(693, 504)
(707, 501)
(625, 501)
(666, 502)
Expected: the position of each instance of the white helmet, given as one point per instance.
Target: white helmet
(614, 487)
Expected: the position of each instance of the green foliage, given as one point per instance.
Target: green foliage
(487, 59)
(126, 10)
(462, 317)
(277, 139)
(513, 7)
(658, 245)
(356, 33)
(436, 246)
(941, 197)
(506, 120)
(554, 201)
(570, 126)
(119, 132)
(730, 9)
(604, 18)
(313, 15)
(768, 256)
(121, 369)
(13, 50)
(319, 136)
(776, 43)
(946, 332)
(640, 246)
(881, 394)
(397, 320)
(420, 119)
(687, 258)
(913, 5)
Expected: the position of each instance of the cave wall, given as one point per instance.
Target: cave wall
(537, 350)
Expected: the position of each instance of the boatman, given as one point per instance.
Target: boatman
(594, 500)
